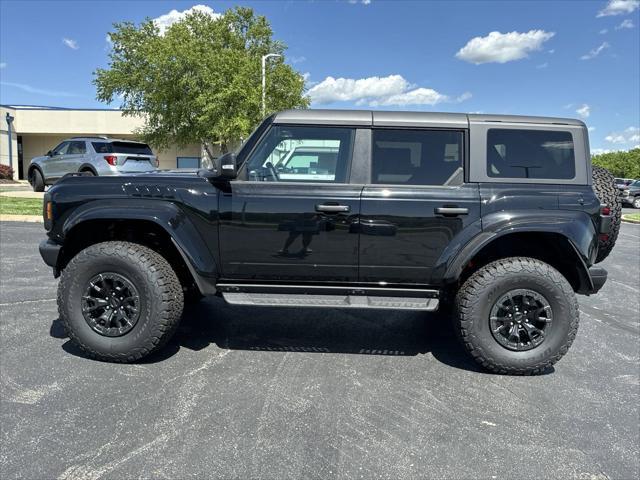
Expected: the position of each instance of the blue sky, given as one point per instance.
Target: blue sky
(568, 58)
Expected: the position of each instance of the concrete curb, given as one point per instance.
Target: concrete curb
(629, 220)
(22, 194)
(21, 218)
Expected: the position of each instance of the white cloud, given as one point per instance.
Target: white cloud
(619, 7)
(584, 111)
(165, 21)
(593, 53)
(294, 60)
(552, 51)
(364, 2)
(71, 43)
(603, 31)
(503, 47)
(591, 129)
(38, 91)
(3, 65)
(630, 135)
(377, 91)
(543, 65)
(626, 23)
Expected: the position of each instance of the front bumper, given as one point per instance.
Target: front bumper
(50, 253)
(598, 276)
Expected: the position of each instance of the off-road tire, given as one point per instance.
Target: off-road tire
(160, 292)
(482, 289)
(604, 184)
(37, 182)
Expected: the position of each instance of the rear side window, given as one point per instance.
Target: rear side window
(417, 157)
(76, 148)
(542, 154)
(133, 148)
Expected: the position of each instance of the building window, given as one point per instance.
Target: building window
(188, 162)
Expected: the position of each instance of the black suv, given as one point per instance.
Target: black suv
(495, 216)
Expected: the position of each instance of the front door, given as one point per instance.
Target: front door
(416, 206)
(290, 215)
(54, 165)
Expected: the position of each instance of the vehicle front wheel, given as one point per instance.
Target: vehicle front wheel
(36, 180)
(119, 301)
(636, 202)
(517, 316)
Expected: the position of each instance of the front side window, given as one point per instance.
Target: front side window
(417, 157)
(302, 154)
(61, 149)
(540, 154)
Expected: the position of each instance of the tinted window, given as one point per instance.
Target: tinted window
(302, 154)
(133, 148)
(101, 147)
(530, 154)
(417, 157)
(188, 162)
(77, 148)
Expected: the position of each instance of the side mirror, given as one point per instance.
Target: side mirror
(49, 153)
(227, 166)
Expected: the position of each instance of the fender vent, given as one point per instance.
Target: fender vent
(149, 191)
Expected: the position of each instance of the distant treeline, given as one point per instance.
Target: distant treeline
(621, 164)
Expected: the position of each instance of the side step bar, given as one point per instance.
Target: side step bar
(330, 297)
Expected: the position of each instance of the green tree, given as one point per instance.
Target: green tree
(621, 164)
(200, 80)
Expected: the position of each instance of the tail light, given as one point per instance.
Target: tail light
(605, 210)
(111, 160)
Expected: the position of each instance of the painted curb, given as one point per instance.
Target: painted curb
(629, 220)
(21, 218)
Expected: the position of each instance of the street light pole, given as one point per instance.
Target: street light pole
(264, 80)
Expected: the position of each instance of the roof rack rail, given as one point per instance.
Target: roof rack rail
(102, 137)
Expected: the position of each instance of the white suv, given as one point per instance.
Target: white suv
(91, 155)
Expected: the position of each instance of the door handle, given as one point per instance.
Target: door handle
(451, 211)
(332, 208)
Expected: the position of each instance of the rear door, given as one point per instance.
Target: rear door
(75, 156)
(282, 224)
(417, 206)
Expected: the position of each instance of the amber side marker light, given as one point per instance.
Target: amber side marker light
(49, 211)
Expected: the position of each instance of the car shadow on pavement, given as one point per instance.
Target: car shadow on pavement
(358, 332)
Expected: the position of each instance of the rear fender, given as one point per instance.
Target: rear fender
(576, 227)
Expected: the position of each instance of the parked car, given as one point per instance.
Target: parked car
(498, 217)
(622, 183)
(92, 156)
(631, 194)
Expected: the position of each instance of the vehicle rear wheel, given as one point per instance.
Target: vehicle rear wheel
(516, 316)
(604, 184)
(88, 172)
(36, 180)
(636, 202)
(119, 301)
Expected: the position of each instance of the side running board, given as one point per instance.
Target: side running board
(424, 300)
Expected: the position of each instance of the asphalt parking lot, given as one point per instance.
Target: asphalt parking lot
(290, 393)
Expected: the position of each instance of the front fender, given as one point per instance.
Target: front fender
(576, 227)
(163, 213)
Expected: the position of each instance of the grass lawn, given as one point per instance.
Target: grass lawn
(20, 206)
(633, 216)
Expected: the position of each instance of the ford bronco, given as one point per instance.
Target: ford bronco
(501, 218)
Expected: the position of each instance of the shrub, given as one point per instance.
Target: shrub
(621, 164)
(6, 172)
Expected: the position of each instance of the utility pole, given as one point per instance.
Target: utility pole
(264, 80)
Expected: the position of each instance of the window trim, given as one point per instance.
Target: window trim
(463, 161)
(478, 145)
(242, 174)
